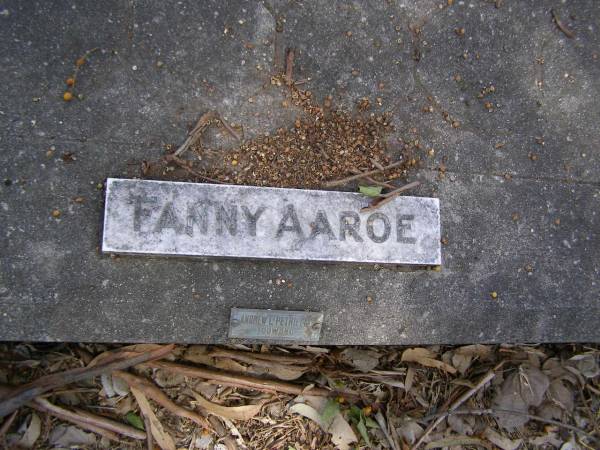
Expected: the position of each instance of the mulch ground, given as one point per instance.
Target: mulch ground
(299, 397)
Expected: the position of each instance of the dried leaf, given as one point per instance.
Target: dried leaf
(464, 356)
(370, 191)
(409, 379)
(163, 439)
(309, 412)
(461, 424)
(544, 440)
(425, 357)
(410, 431)
(457, 440)
(561, 395)
(113, 386)
(586, 364)
(281, 371)
(520, 390)
(243, 412)
(198, 354)
(363, 360)
(329, 412)
(67, 436)
(230, 365)
(341, 432)
(168, 378)
(31, 433)
(500, 441)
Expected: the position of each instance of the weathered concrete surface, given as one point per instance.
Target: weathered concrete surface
(55, 285)
(196, 219)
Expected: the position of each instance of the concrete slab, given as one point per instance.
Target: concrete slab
(526, 228)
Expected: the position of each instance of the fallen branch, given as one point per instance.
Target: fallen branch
(7, 423)
(373, 181)
(386, 198)
(228, 440)
(568, 33)
(86, 420)
(457, 403)
(253, 358)
(24, 394)
(495, 411)
(237, 380)
(362, 175)
(150, 390)
(289, 66)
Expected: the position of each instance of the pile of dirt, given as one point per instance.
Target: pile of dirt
(322, 145)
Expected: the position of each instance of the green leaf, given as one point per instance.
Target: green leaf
(335, 384)
(135, 420)
(354, 413)
(291, 448)
(371, 423)
(370, 191)
(362, 429)
(331, 409)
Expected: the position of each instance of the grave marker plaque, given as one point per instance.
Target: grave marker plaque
(190, 219)
(272, 325)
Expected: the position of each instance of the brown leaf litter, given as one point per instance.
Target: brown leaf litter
(275, 397)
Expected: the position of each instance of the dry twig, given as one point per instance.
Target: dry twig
(568, 33)
(196, 132)
(457, 403)
(183, 164)
(386, 198)
(149, 438)
(7, 423)
(362, 175)
(237, 380)
(252, 358)
(86, 419)
(161, 398)
(229, 128)
(495, 411)
(289, 66)
(23, 394)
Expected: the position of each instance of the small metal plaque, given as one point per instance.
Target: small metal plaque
(275, 325)
(193, 219)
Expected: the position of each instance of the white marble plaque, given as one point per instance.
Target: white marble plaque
(194, 219)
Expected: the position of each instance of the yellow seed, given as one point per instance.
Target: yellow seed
(494, 294)
(55, 213)
(70, 81)
(67, 96)
(234, 162)
(367, 410)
